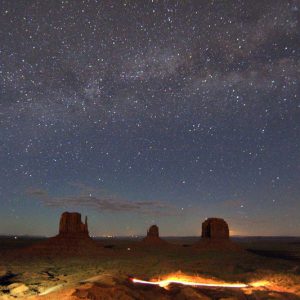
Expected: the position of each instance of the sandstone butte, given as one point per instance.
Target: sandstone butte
(215, 236)
(152, 237)
(73, 239)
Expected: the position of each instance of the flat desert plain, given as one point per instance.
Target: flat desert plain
(270, 267)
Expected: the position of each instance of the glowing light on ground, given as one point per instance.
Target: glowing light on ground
(261, 283)
(51, 290)
(190, 281)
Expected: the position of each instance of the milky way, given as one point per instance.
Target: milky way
(141, 112)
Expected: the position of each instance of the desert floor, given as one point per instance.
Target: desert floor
(273, 262)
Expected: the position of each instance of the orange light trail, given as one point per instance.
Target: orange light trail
(166, 282)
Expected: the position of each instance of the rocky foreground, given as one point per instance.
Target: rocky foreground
(72, 265)
(61, 279)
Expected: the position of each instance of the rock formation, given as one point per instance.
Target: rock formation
(153, 236)
(153, 231)
(73, 239)
(215, 236)
(70, 224)
(215, 228)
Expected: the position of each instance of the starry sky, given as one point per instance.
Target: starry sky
(143, 112)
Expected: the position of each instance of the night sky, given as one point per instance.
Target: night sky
(144, 112)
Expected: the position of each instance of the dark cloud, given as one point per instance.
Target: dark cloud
(100, 203)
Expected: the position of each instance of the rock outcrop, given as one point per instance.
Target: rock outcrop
(153, 231)
(215, 236)
(73, 239)
(215, 228)
(152, 237)
(70, 225)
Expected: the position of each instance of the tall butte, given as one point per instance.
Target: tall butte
(73, 239)
(215, 228)
(70, 225)
(215, 235)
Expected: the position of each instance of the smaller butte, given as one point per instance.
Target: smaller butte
(152, 237)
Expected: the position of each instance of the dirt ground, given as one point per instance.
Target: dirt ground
(271, 268)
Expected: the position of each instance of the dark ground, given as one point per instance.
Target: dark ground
(275, 259)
